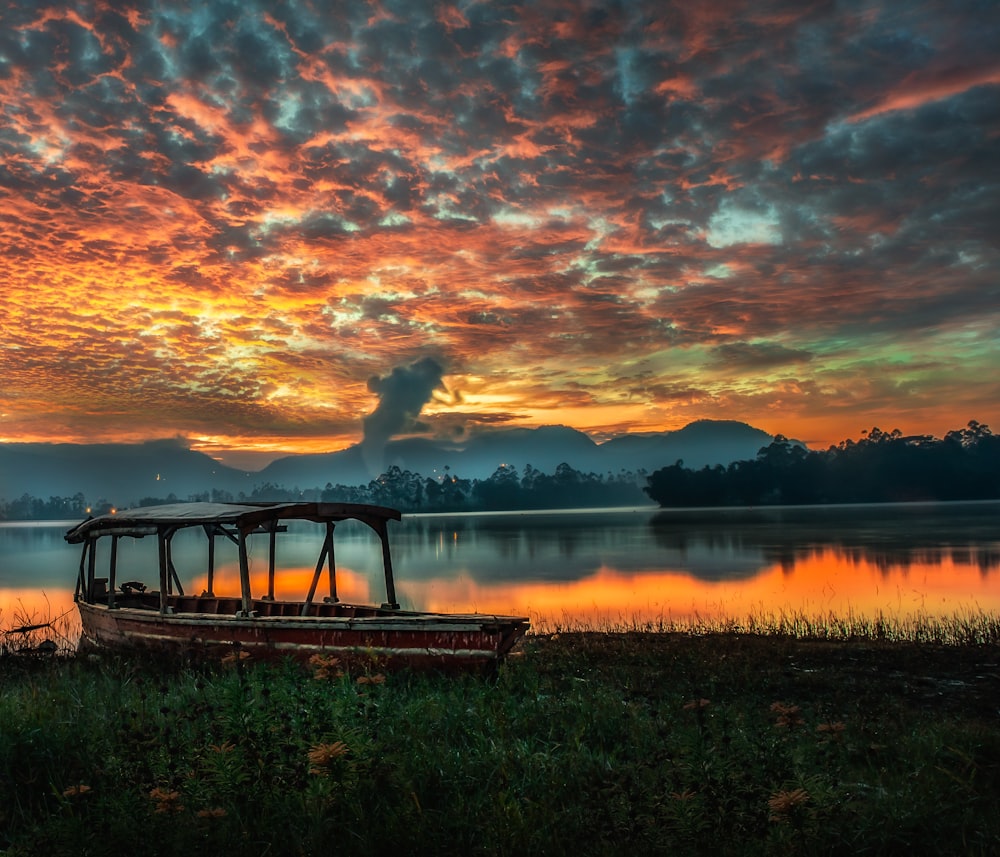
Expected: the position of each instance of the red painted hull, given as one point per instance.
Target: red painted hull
(386, 639)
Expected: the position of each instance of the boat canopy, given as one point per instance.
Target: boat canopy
(149, 520)
(235, 521)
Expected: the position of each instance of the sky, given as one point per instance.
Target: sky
(286, 226)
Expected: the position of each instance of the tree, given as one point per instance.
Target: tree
(501, 491)
(881, 467)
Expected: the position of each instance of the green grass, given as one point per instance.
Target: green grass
(964, 628)
(703, 741)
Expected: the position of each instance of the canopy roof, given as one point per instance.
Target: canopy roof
(148, 520)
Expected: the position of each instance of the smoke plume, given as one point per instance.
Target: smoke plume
(402, 395)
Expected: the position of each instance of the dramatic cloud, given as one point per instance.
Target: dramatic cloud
(402, 396)
(220, 221)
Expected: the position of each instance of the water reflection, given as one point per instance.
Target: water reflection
(558, 546)
(889, 537)
(641, 566)
(592, 567)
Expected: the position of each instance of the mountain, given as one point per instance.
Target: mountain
(126, 473)
(117, 472)
(698, 444)
(478, 457)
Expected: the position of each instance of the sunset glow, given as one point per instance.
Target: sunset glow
(826, 582)
(611, 598)
(222, 224)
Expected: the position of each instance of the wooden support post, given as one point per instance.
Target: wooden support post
(161, 544)
(272, 540)
(331, 564)
(210, 532)
(112, 571)
(315, 580)
(91, 562)
(390, 586)
(172, 576)
(247, 603)
(169, 562)
(80, 574)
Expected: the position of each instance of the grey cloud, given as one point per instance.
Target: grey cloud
(489, 319)
(402, 396)
(758, 355)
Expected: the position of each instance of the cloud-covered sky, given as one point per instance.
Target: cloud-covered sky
(240, 221)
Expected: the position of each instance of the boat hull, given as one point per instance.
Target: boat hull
(389, 639)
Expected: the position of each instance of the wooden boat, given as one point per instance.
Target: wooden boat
(128, 615)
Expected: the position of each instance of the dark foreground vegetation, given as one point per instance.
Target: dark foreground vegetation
(719, 743)
(883, 467)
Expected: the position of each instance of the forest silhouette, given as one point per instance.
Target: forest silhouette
(882, 467)
(402, 489)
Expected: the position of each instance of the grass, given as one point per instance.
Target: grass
(969, 627)
(801, 736)
(26, 632)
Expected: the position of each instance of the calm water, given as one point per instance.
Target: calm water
(595, 568)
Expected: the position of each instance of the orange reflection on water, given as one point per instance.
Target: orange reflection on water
(19, 607)
(814, 584)
(29, 606)
(821, 583)
(290, 584)
(834, 580)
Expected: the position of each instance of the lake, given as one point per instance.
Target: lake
(603, 568)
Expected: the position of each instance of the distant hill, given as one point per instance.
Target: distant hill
(120, 473)
(705, 442)
(698, 444)
(478, 457)
(125, 473)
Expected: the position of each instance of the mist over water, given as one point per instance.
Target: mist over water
(591, 567)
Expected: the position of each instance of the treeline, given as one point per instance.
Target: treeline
(881, 467)
(506, 489)
(28, 508)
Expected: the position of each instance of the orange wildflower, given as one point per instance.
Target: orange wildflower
(325, 667)
(789, 716)
(213, 812)
(166, 801)
(321, 756)
(76, 791)
(784, 802)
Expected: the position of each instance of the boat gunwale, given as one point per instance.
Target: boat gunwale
(394, 620)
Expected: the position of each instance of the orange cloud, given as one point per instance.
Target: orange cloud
(919, 89)
(224, 230)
